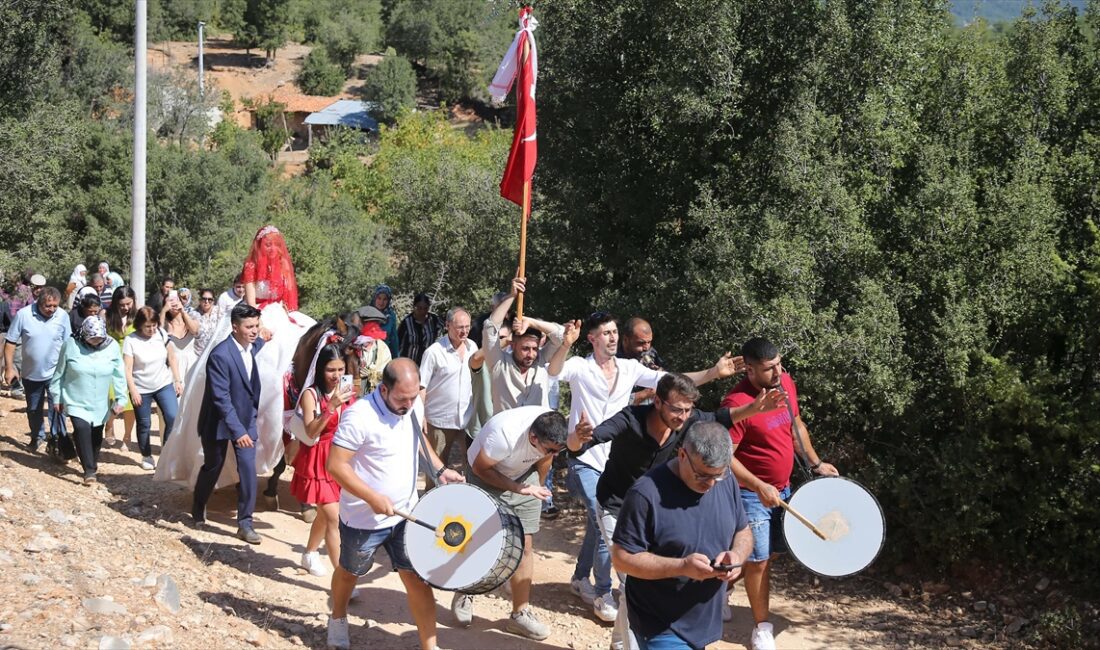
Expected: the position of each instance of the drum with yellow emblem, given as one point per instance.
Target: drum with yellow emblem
(480, 545)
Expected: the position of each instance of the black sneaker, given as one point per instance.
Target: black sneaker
(550, 513)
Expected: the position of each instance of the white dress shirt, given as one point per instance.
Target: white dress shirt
(445, 378)
(246, 356)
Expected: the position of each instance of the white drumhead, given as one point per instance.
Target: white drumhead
(850, 518)
(446, 567)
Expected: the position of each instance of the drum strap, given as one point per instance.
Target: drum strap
(802, 458)
(425, 460)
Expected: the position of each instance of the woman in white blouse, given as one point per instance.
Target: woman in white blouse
(152, 376)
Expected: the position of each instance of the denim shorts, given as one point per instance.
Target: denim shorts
(357, 547)
(766, 525)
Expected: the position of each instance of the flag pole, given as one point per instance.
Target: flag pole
(523, 243)
(526, 210)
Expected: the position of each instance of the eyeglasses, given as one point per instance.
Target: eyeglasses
(205, 299)
(717, 478)
(544, 447)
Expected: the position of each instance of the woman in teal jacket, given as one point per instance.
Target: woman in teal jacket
(89, 365)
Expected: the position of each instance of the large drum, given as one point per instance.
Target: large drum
(481, 545)
(849, 517)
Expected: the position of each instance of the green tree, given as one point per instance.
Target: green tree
(271, 123)
(319, 75)
(28, 47)
(432, 186)
(459, 42)
(266, 23)
(392, 83)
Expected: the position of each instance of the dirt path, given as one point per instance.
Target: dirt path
(114, 540)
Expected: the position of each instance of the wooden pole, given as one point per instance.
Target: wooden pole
(526, 209)
(523, 243)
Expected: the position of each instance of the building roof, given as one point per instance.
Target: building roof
(298, 103)
(345, 112)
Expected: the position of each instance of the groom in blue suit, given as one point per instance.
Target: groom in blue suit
(228, 413)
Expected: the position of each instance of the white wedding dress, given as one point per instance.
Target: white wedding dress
(182, 456)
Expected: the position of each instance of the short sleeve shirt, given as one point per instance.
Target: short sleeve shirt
(504, 439)
(150, 366)
(41, 339)
(385, 447)
(663, 516)
(592, 395)
(764, 443)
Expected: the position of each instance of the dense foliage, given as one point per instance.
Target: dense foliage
(907, 208)
(392, 85)
(319, 75)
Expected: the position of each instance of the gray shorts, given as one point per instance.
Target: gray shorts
(528, 508)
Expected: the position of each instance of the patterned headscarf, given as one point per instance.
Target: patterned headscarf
(92, 328)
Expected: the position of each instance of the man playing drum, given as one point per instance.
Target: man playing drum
(509, 459)
(374, 458)
(682, 536)
(765, 446)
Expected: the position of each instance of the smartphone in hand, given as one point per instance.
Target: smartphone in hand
(345, 383)
(718, 566)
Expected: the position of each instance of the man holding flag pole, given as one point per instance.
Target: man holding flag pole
(520, 65)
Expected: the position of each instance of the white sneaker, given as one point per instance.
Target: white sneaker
(583, 589)
(338, 636)
(311, 561)
(605, 608)
(727, 613)
(762, 638)
(148, 463)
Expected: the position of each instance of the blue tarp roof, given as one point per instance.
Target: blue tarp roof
(345, 112)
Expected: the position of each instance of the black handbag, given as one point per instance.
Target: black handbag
(61, 446)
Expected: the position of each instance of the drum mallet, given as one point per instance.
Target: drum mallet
(434, 529)
(797, 515)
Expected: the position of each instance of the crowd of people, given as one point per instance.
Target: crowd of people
(679, 502)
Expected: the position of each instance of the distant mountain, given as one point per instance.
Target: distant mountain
(994, 11)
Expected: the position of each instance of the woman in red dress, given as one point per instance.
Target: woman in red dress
(320, 405)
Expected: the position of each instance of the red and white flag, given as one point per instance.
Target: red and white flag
(520, 64)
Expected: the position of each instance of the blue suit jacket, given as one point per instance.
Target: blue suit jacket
(229, 403)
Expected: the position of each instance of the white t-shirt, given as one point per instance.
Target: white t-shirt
(448, 386)
(385, 446)
(504, 439)
(592, 395)
(151, 371)
(228, 300)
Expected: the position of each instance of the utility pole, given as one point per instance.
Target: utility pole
(137, 243)
(202, 69)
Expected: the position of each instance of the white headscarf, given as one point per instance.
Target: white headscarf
(79, 276)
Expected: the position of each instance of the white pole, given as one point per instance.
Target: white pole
(137, 245)
(202, 85)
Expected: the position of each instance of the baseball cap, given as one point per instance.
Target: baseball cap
(38, 280)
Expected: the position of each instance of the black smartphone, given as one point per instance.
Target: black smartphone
(722, 567)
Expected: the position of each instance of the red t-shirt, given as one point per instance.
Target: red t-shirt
(764, 443)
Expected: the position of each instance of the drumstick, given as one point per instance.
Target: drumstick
(434, 529)
(798, 516)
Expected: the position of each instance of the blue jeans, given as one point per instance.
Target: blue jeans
(549, 485)
(357, 548)
(594, 556)
(38, 399)
(766, 525)
(667, 640)
(166, 402)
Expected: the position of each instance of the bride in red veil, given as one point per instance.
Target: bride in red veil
(271, 286)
